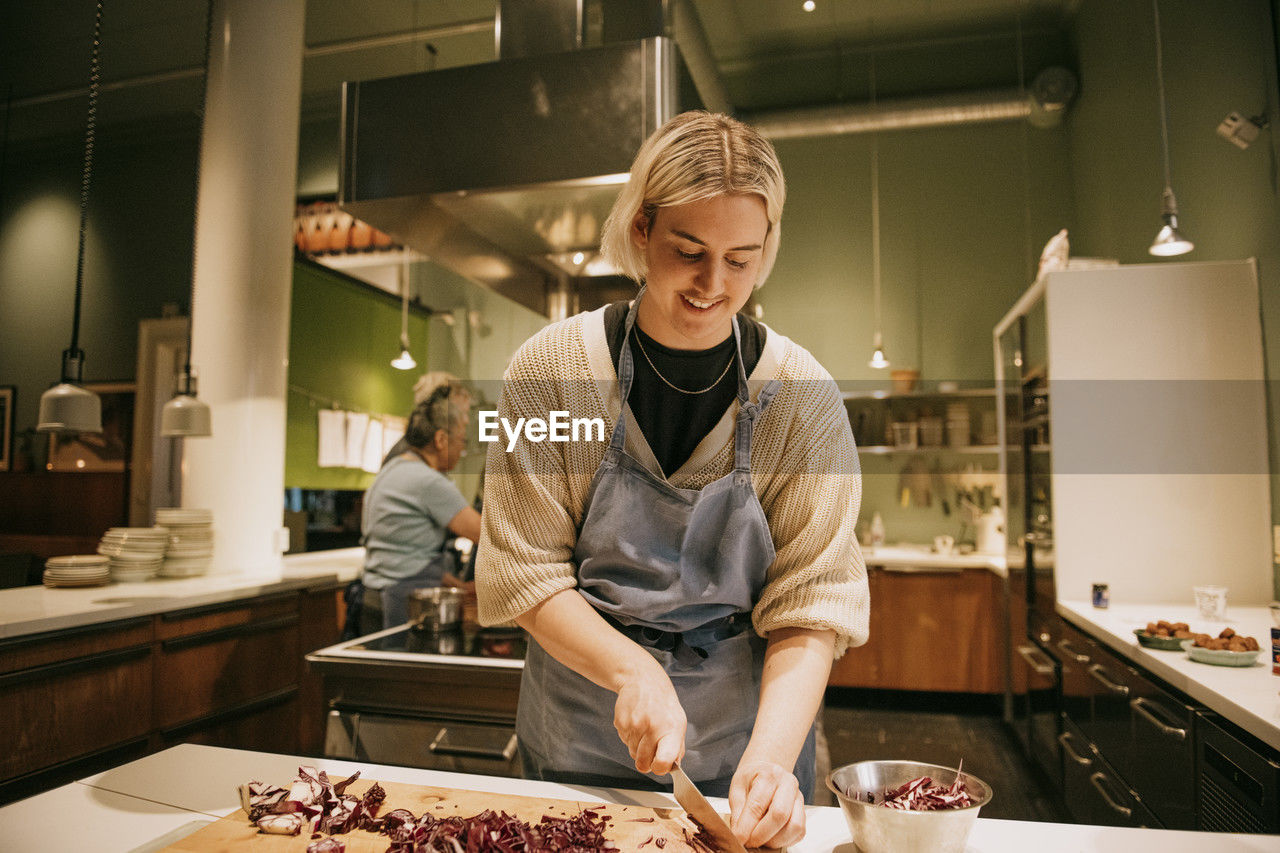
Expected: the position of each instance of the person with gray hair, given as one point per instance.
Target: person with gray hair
(687, 581)
(412, 509)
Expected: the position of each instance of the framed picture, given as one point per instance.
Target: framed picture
(7, 393)
(108, 450)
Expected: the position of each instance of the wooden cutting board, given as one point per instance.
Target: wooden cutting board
(632, 828)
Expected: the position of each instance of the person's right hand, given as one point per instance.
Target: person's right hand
(650, 721)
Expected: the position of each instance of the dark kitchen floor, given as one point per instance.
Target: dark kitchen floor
(940, 729)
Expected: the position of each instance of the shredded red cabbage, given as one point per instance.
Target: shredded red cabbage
(921, 795)
(314, 801)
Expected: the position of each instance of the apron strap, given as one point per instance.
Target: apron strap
(747, 411)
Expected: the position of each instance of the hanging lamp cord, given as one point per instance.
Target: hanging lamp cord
(195, 218)
(1164, 117)
(875, 202)
(86, 177)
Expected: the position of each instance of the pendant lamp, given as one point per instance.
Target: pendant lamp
(186, 415)
(1169, 242)
(404, 361)
(67, 407)
(878, 359)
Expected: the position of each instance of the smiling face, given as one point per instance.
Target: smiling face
(704, 259)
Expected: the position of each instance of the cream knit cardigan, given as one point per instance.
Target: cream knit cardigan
(803, 463)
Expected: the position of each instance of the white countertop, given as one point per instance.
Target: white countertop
(924, 557)
(36, 609)
(1247, 696)
(155, 801)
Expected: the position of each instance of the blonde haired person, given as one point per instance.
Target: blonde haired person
(687, 582)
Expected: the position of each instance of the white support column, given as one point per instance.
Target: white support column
(244, 261)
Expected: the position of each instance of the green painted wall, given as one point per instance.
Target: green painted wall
(341, 342)
(964, 212)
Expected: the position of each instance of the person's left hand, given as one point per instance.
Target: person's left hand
(765, 805)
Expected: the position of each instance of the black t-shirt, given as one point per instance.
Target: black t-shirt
(673, 423)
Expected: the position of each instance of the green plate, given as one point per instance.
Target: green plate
(1168, 644)
(1220, 657)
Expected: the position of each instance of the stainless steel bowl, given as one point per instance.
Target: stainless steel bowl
(877, 829)
(435, 608)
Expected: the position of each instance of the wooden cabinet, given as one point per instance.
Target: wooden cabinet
(932, 630)
(229, 674)
(218, 659)
(72, 695)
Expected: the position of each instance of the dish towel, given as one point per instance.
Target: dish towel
(371, 455)
(332, 429)
(392, 431)
(357, 425)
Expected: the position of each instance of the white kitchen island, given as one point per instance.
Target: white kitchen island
(150, 803)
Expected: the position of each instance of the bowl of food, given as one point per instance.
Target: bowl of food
(1164, 635)
(906, 806)
(1227, 649)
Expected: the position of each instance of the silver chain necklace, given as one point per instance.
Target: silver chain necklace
(723, 373)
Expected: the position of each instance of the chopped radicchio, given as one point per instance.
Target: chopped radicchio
(281, 824)
(259, 798)
(327, 845)
(921, 795)
(314, 801)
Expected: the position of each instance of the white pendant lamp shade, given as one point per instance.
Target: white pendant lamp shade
(185, 416)
(66, 407)
(404, 361)
(878, 359)
(1169, 241)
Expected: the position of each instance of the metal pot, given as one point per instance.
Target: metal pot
(436, 608)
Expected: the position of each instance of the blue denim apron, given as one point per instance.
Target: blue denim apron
(678, 571)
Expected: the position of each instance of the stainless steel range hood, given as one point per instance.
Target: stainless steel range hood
(502, 171)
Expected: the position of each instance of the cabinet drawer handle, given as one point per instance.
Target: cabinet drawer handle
(1065, 740)
(1029, 654)
(1065, 645)
(1096, 781)
(1100, 675)
(1141, 706)
(439, 748)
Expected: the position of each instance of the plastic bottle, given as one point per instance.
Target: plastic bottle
(877, 530)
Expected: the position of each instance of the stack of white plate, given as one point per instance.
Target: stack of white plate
(136, 553)
(77, 570)
(190, 550)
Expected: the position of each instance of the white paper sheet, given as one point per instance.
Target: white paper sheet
(357, 426)
(371, 455)
(392, 431)
(332, 429)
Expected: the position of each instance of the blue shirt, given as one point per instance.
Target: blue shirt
(407, 511)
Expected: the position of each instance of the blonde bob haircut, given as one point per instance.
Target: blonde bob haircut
(695, 156)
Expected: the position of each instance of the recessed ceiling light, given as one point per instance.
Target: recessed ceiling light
(809, 5)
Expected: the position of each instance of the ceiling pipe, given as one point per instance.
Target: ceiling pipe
(902, 114)
(686, 29)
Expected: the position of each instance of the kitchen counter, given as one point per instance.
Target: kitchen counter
(922, 556)
(156, 801)
(38, 609)
(1247, 696)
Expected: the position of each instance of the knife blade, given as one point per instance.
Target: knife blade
(692, 801)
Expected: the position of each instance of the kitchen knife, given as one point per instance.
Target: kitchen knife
(692, 801)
